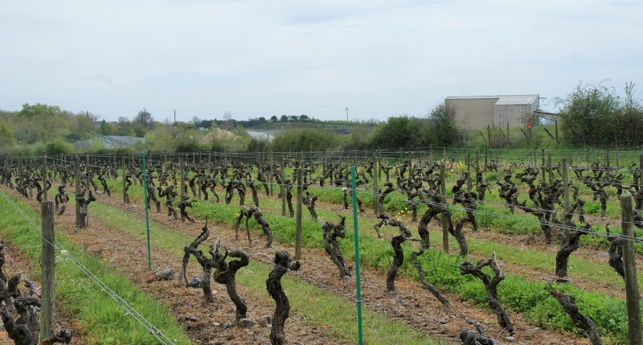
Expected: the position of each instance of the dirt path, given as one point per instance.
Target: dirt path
(204, 323)
(412, 305)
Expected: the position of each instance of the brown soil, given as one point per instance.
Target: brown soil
(412, 304)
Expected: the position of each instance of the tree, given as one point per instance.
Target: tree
(106, 128)
(303, 118)
(6, 135)
(43, 122)
(284, 118)
(274, 118)
(144, 119)
(400, 132)
(444, 131)
(293, 118)
(229, 122)
(587, 116)
(86, 124)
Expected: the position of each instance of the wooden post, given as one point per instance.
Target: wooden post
(618, 165)
(44, 177)
(542, 167)
(283, 186)
(556, 129)
(565, 186)
(197, 171)
(468, 171)
(376, 204)
(270, 177)
(182, 191)
(533, 156)
(79, 221)
(300, 181)
(87, 170)
(48, 264)
(20, 168)
(550, 170)
(431, 155)
(410, 167)
(477, 161)
(631, 284)
(508, 137)
(445, 222)
(486, 162)
(489, 137)
(587, 156)
(607, 158)
(124, 173)
(640, 170)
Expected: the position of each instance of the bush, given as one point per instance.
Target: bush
(57, 147)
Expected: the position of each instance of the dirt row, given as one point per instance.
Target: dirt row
(412, 305)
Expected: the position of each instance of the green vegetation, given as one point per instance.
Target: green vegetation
(590, 116)
(77, 295)
(335, 314)
(521, 294)
(596, 116)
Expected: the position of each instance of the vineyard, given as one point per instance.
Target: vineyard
(455, 246)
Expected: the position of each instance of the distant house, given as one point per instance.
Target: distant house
(478, 112)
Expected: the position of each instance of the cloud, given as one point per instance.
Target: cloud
(256, 58)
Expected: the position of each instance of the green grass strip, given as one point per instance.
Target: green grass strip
(335, 314)
(515, 292)
(95, 312)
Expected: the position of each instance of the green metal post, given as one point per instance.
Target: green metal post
(360, 340)
(147, 216)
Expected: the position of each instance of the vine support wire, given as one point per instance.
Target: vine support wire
(153, 330)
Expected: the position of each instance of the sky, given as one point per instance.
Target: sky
(253, 58)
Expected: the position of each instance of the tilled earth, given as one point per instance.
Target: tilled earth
(214, 323)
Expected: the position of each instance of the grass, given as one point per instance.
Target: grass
(335, 314)
(103, 320)
(517, 293)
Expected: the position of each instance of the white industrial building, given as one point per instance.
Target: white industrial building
(478, 112)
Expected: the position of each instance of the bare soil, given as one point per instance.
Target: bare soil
(214, 323)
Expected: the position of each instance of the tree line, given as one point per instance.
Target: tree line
(590, 115)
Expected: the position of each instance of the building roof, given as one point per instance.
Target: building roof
(517, 100)
(503, 99)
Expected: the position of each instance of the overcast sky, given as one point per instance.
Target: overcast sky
(262, 58)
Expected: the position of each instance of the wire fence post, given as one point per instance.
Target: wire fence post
(48, 262)
(79, 220)
(44, 177)
(283, 186)
(358, 285)
(300, 174)
(147, 215)
(445, 221)
(376, 204)
(631, 284)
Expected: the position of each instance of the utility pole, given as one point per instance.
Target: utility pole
(174, 115)
(346, 114)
